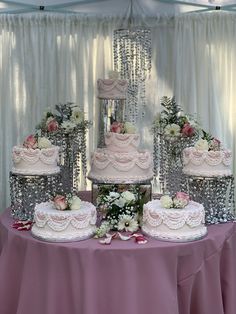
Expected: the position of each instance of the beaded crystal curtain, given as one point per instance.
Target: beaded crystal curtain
(132, 59)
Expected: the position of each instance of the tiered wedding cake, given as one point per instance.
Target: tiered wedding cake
(112, 88)
(121, 161)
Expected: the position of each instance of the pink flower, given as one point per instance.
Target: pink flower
(214, 144)
(52, 124)
(116, 127)
(182, 195)
(30, 142)
(188, 130)
(60, 202)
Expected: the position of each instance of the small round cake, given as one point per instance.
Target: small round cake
(64, 226)
(207, 163)
(171, 224)
(37, 161)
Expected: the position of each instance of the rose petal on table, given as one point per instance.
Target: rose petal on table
(123, 237)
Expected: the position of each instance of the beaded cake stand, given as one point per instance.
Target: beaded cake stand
(216, 194)
(167, 160)
(28, 190)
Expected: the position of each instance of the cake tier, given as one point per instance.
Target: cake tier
(185, 224)
(207, 163)
(110, 167)
(35, 161)
(112, 88)
(64, 226)
(126, 143)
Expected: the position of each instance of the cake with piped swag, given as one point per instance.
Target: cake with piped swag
(207, 159)
(112, 88)
(66, 218)
(174, 219)
(37, 156)
(121, 161)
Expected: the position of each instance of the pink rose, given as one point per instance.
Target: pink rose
(116, 127)
(188, 130)
(30, 142)
(214, 144)
(52, 124)
(60, 202)
(182, 197)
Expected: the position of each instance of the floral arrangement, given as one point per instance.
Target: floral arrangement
(34, 142)
(173, 122)
(123, 127)
(179, 200)
(208, 142)
(122, 209)
(65, 118)
(66, 202)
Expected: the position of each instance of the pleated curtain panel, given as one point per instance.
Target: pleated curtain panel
(47, 59)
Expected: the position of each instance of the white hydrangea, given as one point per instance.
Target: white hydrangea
(128, 196)
(120, 202)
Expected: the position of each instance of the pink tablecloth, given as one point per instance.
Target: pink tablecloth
(123, 278)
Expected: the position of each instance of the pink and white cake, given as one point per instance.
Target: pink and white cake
(51, 224)
(112, 88)
(37, 156)
(174, 224)
(121, 161)
(207, 163)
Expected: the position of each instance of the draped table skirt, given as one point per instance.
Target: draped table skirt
(122, 278)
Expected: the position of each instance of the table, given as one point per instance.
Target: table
(124, 278)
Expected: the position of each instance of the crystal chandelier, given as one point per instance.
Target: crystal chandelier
(132, 59)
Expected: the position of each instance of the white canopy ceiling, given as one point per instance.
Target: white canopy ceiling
(115, 7)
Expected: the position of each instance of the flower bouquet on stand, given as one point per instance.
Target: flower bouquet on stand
(173, 131)
(66, 127)
(120, 208)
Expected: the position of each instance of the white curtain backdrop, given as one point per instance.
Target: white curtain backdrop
(54, 58)
(50, 58)
(205, 76)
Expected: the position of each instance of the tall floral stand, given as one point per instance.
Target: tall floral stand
(216, 194)
(167, 159)
(28, 190)
(72, 155)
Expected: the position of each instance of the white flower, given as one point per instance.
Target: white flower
(77, 115)
(127, 223)
(114, 194)
(166, 201)
(43, 142)
(120, 202)
(179, 203)
(103, 229)
(172, 129)
(75, 203)
(130, 128)
(201, 145)
(128, 196)
(68, 125)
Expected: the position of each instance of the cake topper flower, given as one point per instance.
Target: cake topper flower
(34, 142)
(207, 142)
(179, 200)
(66, 202)
(123, 127)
